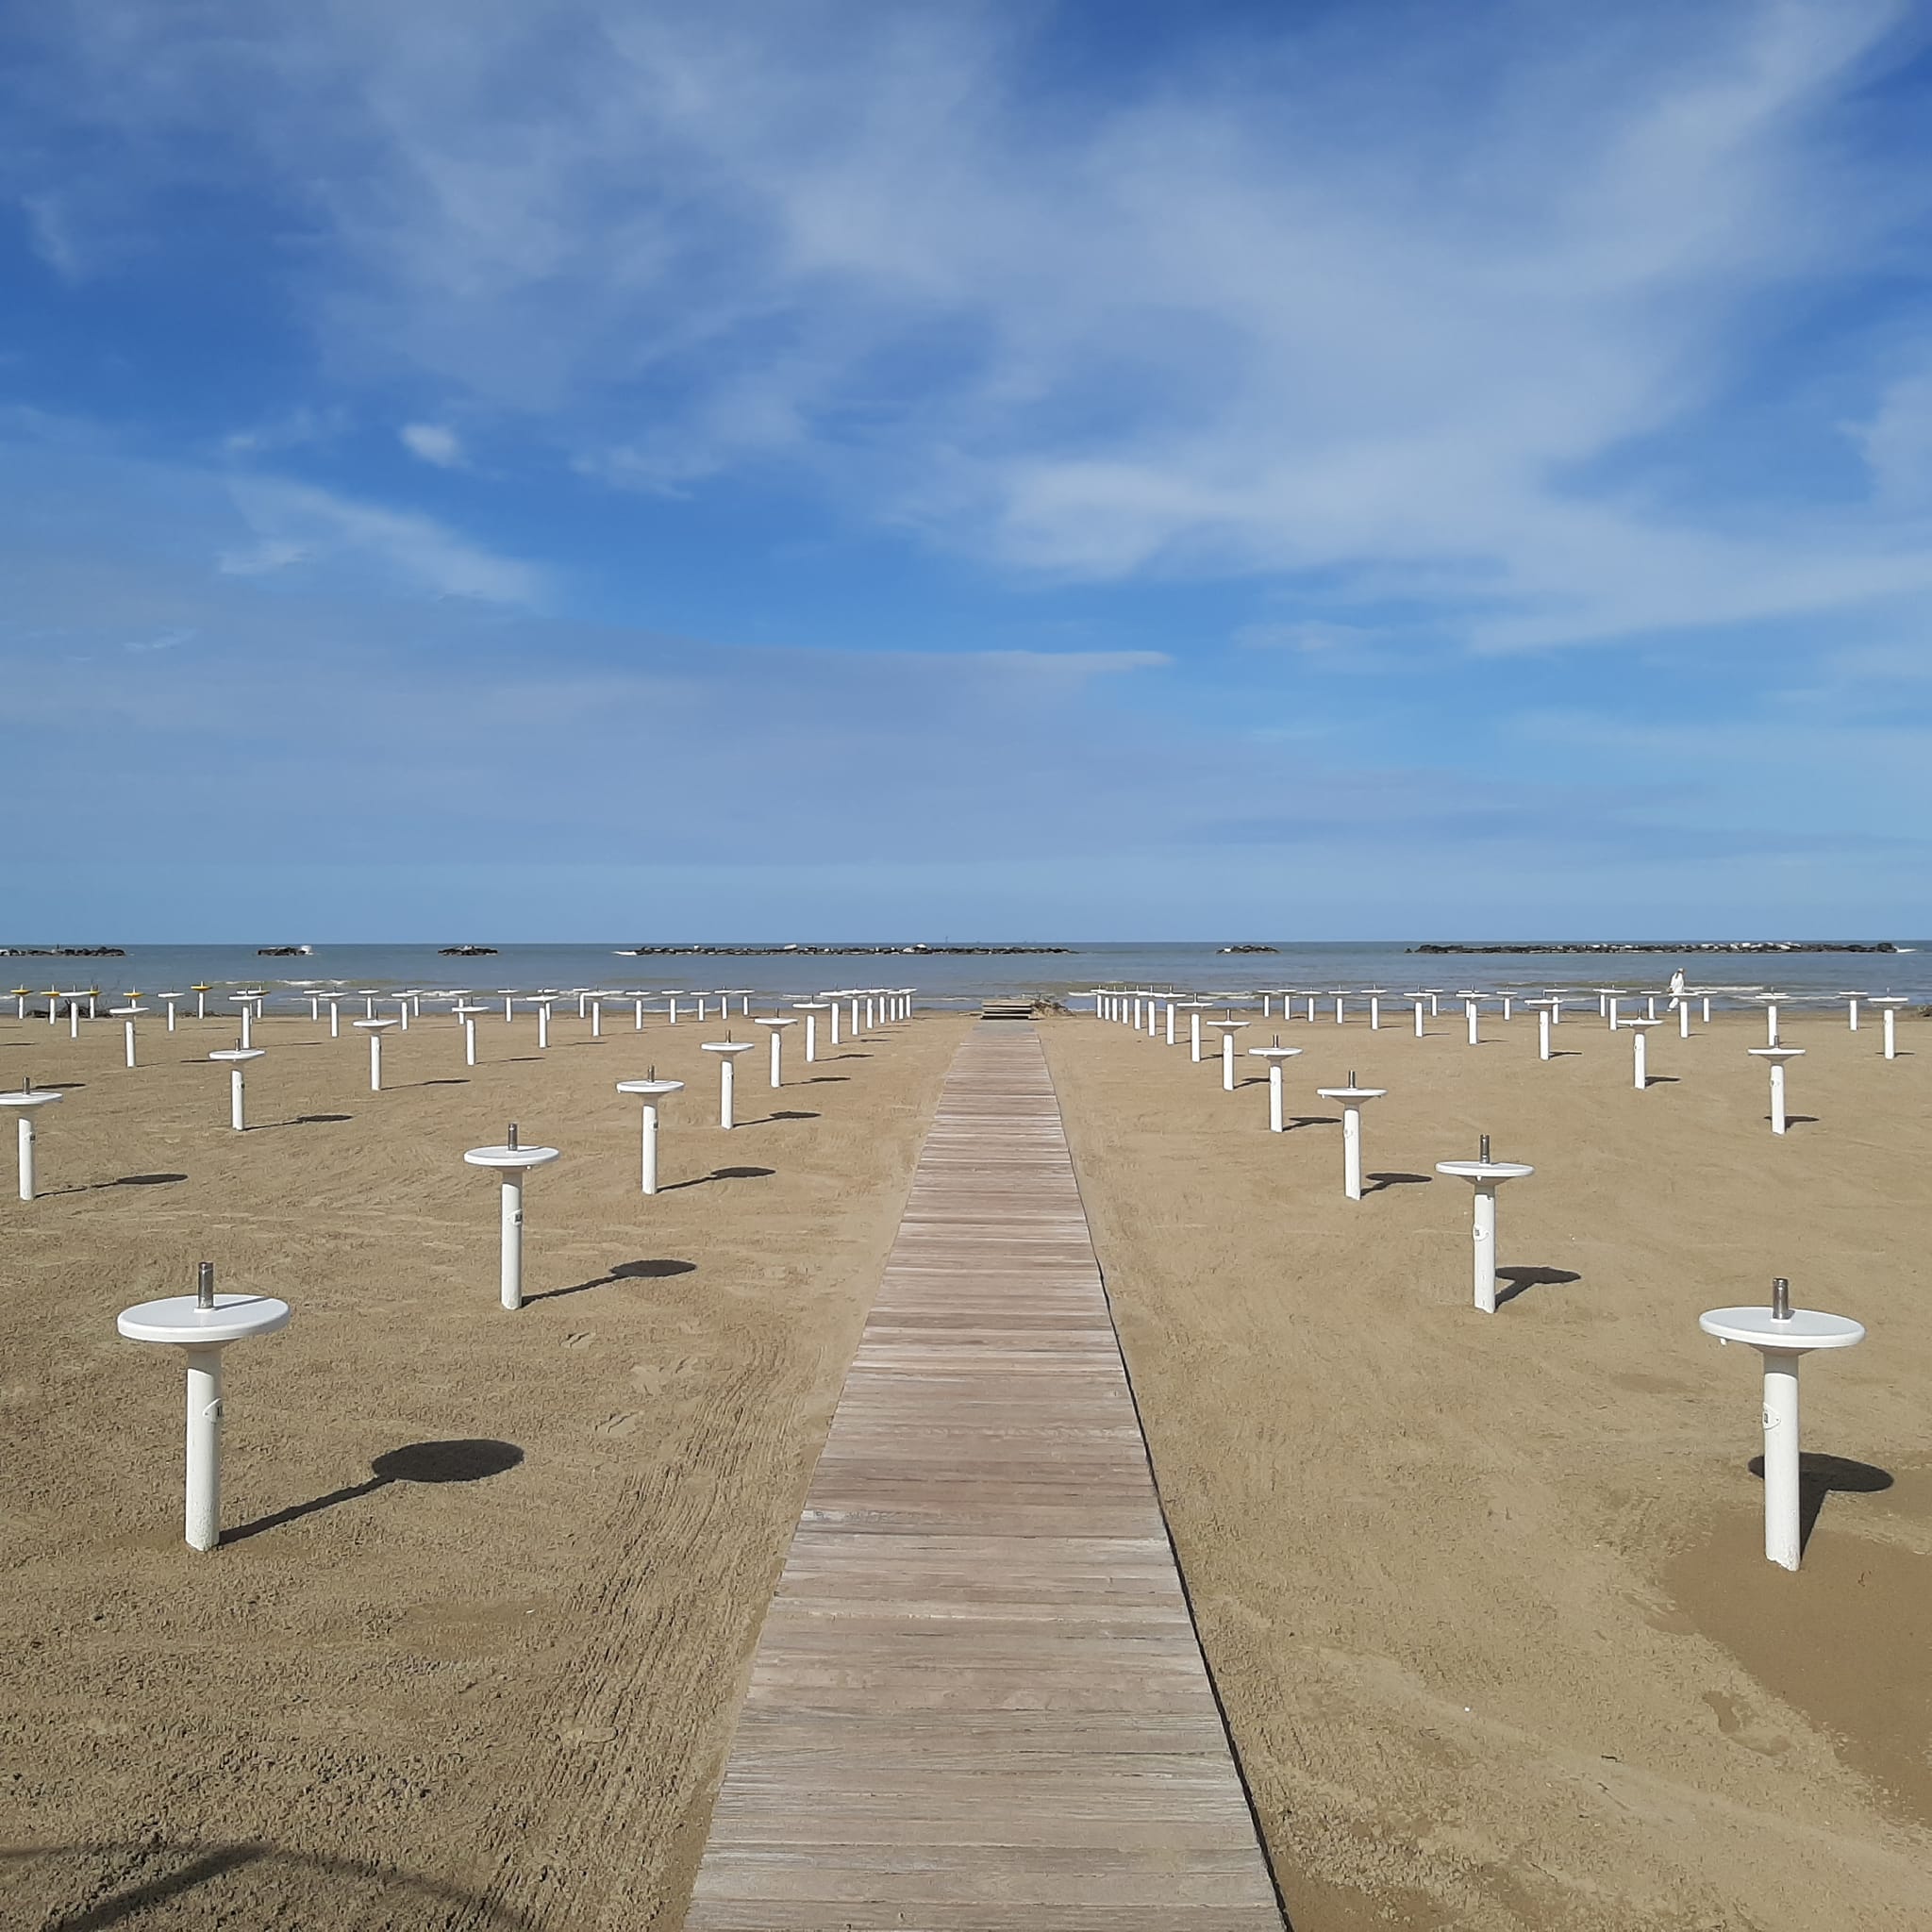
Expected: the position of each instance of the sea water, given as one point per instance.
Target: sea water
(966, 979)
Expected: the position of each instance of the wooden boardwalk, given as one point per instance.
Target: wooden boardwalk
(977, 1703)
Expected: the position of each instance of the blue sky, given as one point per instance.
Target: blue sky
(838, 470)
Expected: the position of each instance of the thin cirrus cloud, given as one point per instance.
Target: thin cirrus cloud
(297, 525)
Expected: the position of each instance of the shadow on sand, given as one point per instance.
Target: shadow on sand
(1378, 1181)
(719, 1173)
(1522, 1280)
(1819, 1476)
(464, 1460)
(247, 1882)
(624, 1270)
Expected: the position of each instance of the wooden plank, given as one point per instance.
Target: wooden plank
(977, 1703)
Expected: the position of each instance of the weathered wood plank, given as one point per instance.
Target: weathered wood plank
(977, 1703)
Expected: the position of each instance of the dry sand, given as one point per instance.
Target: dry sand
(394, 1701)
(1485, 1595)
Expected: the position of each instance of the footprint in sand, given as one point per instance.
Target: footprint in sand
(583, 1341)
(618, 1424)
(1741, 1727)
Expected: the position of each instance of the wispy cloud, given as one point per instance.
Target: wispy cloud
(1427, 311)
(434, 442)
(297, 525)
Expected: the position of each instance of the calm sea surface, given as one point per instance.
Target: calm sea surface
(965, 981)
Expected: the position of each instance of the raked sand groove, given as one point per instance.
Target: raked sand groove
(978, 1701)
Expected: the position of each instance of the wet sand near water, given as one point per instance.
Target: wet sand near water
(1485, 1595)
(472, 1652)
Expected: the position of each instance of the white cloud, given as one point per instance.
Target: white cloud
(297, 523)
(1415, 298)
(434, 442)
(1896, 444)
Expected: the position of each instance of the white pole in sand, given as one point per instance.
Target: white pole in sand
(24, 1100)
(468, 1016)
(1639, 1031)
(1777, 1055)
(237, 1057)
(1486, 1176)
(1374, 994)
(1353, 1099)
(513, 1161)
(543, 1007)
(335, 1015)
(1228, 1029)
(649, 1090)
(376, 1029)
(1420, 1028)
(727, 1051)
(777, 1028)
(811, 1009)
(1890, 1007)
(1770, 1002)
(127, 1015)
(202, 1325)
(1471, 1004)
(201, 989)
(1783, 1336)
(1194, 1009)
(1274, 1056)
(1545, 1019)
(1850, 1000)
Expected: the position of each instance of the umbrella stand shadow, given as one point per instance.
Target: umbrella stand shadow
(463, 1460)
(1819, 1474)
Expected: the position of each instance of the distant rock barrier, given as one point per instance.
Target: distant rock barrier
(1671, 946)
(838, 952)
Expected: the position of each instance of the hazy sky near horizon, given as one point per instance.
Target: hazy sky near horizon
(758, 470)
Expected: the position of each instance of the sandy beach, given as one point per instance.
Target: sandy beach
(473, 1651)
(1484, 1596)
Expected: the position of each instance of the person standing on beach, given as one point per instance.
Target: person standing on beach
(1676, 990)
